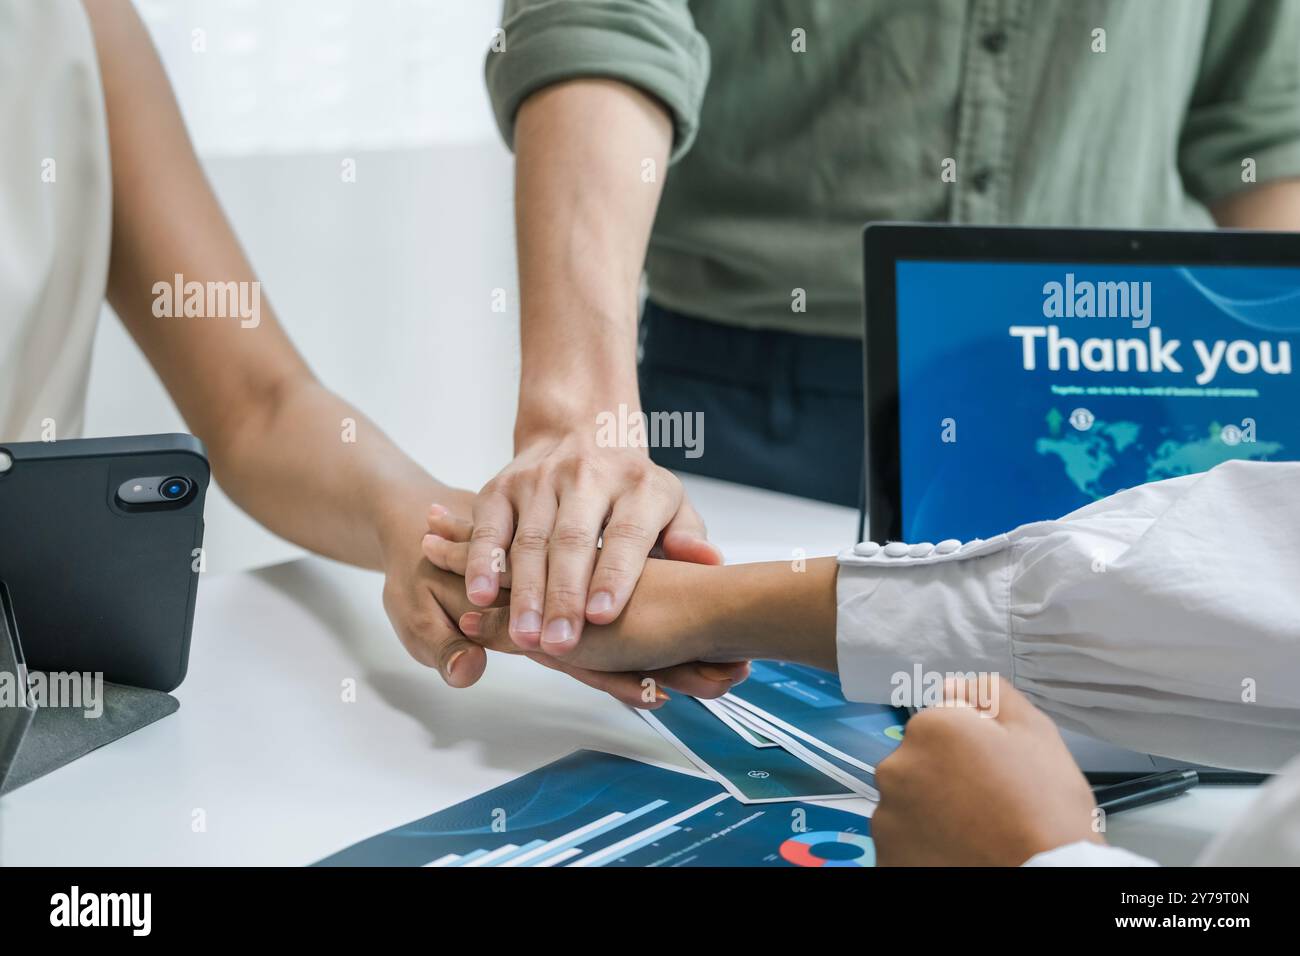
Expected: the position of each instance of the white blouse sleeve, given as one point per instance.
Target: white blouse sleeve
(1165, 618)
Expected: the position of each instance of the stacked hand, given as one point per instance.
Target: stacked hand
(548, 509)
(424, 602)
(657, 636)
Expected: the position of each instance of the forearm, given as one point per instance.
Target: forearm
(780, 610)
(280, 443)
(1272, 205)
(316, 471)
(687, 612)
(591, 155)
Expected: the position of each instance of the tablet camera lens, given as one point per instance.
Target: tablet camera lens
(174, 489)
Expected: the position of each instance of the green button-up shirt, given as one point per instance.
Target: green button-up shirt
(816, 116)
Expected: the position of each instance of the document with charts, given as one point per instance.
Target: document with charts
(593, 809)
(809, 704)
(751, 774)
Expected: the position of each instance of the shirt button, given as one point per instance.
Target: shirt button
(865, 549)
(921, 550)
(895, 549)
(947, 546)
(995, 41)
(980, 181)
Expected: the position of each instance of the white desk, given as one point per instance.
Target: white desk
(285, 772)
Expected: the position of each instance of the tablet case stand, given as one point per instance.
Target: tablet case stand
(37, 739)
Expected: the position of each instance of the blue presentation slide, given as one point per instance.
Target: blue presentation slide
(595, 809)
(1028, 390)
(810, 703)
(751, 773)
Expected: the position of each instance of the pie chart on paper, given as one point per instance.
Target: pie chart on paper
(829, 848)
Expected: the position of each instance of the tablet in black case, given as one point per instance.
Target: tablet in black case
(99, 584)
(36, 739)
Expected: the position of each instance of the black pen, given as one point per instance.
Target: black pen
(1145, 790)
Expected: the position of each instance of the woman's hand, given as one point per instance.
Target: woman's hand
(666, 623)
(424, 602)
(667, 631)
(980, 783)
(679, 612)
(422, 625)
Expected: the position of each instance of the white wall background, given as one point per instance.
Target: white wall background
(385, 284)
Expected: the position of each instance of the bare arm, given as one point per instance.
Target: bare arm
(679, 612)
(274, 433)
(684, 612)
(1272, 205)
(583, 214)
(591, 157)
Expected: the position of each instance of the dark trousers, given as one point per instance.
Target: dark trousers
(780, 410)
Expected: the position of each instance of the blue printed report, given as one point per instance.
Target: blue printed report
(592, 809)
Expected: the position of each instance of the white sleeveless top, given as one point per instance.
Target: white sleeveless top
(55, 215)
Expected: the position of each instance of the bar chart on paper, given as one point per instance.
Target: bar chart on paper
(592, 809)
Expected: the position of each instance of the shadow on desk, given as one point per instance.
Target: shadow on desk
(517, 715)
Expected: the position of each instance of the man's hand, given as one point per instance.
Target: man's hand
(423, 603)
(584, 205)
(549, 509)
(973, 785)
(680, 612)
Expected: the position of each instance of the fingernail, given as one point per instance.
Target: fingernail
(451, 664)
(717, 673)
(530, 622)
(469, 623)
(559, 631)
(436, 510)
(480, 585)
(600, 602)
(662, 697)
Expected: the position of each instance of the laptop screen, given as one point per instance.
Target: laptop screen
(1029, 389)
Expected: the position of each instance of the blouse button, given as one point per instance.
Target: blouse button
(895, 549)
(921, 550)
(947, 546)
(865, 549)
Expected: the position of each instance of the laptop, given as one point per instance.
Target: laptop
(1015, 374)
